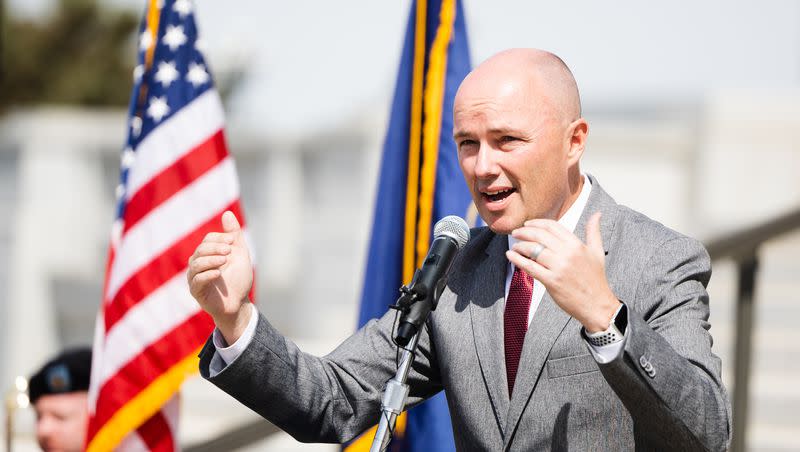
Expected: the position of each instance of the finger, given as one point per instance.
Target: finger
(206, 263)
(530, 267)
(556, 228)
(525, 249)
(229, 222)
(594, 240)
(211, 248)
(220, 237)
(539, 235)
(198, 282)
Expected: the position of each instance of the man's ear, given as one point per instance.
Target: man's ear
(576, 134)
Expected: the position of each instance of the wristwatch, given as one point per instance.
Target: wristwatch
(615, 331)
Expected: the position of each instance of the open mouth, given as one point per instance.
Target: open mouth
(498, 195)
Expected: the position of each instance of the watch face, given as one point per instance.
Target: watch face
(621, 319)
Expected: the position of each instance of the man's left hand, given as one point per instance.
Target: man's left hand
(573, 273)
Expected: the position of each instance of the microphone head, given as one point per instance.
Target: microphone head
(454, 227)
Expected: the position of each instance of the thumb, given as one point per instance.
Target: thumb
(231, 225)
(593, 238)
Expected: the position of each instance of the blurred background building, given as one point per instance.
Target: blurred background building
(693, 110)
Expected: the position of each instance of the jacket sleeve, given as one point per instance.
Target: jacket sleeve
(667, 376)
(322, 399)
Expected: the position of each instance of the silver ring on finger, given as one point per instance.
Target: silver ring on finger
(536, 251)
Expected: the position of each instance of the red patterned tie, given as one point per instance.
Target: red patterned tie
(515, 321)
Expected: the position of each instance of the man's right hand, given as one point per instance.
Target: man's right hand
(220, 277)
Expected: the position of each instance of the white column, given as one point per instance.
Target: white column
(61, 215)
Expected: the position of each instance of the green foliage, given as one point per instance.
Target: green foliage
(82, 55)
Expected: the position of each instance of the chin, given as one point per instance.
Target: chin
(502, 225)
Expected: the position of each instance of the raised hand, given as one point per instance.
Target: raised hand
(220, 277)
(573, 272)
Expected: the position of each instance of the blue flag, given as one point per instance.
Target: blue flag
(420, 182)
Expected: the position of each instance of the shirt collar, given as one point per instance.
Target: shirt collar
(570, 218)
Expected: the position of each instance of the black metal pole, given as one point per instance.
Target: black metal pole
(2, 40)
(747, 268)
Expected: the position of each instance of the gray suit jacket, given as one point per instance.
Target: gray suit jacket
(563, 399)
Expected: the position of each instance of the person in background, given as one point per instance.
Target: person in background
(58, 393)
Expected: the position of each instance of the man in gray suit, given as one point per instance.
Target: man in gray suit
(570, 323)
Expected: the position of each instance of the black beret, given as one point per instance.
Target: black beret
(67, 372)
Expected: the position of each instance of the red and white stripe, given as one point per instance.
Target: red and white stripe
(180, 182)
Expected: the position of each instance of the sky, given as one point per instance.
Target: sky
(323, 63)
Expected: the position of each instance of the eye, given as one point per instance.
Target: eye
(466, 143)
(508, 139)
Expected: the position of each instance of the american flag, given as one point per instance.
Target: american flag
(176, 180)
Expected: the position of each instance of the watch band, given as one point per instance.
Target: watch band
(613, 333)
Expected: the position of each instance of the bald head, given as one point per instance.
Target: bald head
(520, 137)
(532, 72)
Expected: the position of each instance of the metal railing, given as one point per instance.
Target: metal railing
(741, 246)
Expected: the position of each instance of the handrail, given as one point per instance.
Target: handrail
(743, 246)
(744, 241)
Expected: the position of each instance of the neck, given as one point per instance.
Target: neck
(575, 182)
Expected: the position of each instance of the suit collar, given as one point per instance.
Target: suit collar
(599, 201)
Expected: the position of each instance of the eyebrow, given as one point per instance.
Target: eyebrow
(492, 131)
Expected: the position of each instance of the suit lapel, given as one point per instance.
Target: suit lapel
(486, 311)
(549, 320)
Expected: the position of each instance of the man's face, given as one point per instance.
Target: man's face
(61, 421)
(512, 149)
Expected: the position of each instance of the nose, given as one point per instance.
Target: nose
(44, 429)
(486, 164)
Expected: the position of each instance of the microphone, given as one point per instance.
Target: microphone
(450, 234)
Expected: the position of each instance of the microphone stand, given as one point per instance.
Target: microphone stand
(415, 304)
(394, 398)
